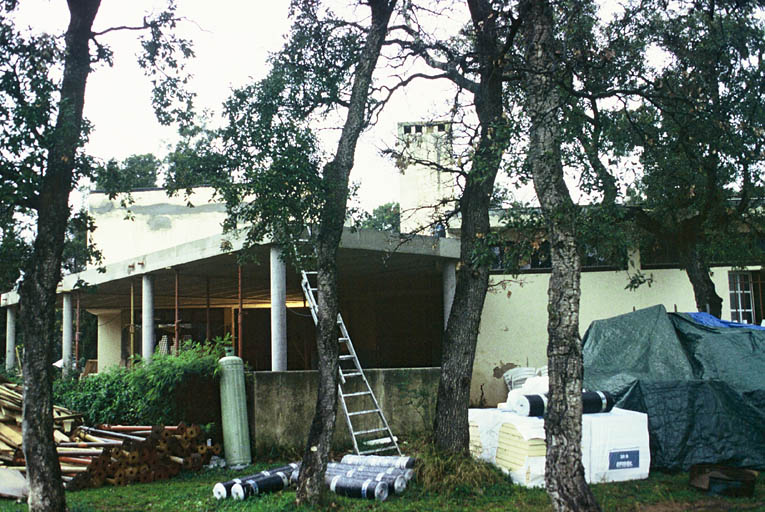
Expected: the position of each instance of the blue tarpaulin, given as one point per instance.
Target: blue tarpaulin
(713, 321)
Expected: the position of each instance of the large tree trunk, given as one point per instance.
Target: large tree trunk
(564, 473)
(698, 273)
(43, 271)
(311, 482)
(450, 429)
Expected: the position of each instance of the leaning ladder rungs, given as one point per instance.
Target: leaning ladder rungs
(345, 395)
(368, 411)
(378, 450)
(382, 440)
(385, 444)
(370, 431)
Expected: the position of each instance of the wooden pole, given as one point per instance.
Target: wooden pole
(239, 320)
(207, 311)
(177, 343)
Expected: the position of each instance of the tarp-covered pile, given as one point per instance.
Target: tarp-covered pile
(702, 386)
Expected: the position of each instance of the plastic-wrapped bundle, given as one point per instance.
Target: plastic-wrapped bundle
(394, 477)
(407, 473)
(396, 461)
(357, 488)
(222, 490)
(597, 401)
(260, 485)
(529, 405)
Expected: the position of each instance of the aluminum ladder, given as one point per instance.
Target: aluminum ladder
(359, 402)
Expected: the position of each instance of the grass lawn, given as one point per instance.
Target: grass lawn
(193, 492)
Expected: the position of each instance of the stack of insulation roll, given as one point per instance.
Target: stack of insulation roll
(357, 476)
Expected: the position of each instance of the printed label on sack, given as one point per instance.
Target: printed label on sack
(624, 459)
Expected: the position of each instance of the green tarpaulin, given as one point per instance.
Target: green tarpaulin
(702, 387)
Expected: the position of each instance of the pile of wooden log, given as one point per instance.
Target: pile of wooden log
(107, 454)
(122, 454)
(11, 401)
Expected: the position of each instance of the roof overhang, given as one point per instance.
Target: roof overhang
(207, 270)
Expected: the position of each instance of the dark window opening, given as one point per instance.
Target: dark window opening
(418, 129)
(407, 129)
(658, 255)
(529, 257)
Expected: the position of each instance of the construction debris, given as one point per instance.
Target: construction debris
(11, 402)
(131, 453)
(106, 454)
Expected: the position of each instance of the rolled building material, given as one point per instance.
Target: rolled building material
(395, 479)
(251, 487)
(535, 405)
(356, 488)
(397, 461)
(529, 405)
(222, 490)
(407, 473)
(597, 401)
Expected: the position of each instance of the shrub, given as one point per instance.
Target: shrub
(146, 393)
(454, 473)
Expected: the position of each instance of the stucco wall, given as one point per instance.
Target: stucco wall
(282, 405)
(513, 328)
(158, 222)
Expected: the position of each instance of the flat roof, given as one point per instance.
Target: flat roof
(203, 265)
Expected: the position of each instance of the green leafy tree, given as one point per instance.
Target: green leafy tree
(42, 94)
(682, 138)
(386, 217)
(476, 61)
(136, 171)
(700, 136)
(564, 473)
(267, 166)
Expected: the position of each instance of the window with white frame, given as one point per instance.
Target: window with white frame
(741, 299)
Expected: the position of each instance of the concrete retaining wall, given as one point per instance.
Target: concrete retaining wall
(281, 405)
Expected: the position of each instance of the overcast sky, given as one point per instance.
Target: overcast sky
(232, 40)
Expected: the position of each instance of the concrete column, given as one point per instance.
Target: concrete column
(449, 284)
(147, 318)
(109, 337)
(10, 339)
(278, 312)
(66, 333)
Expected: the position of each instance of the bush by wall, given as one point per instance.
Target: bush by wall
(166, 391)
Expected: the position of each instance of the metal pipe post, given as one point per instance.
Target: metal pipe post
(147, 317)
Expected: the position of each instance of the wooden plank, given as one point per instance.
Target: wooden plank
(11, 433)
